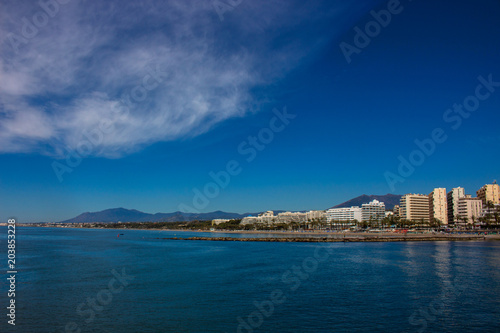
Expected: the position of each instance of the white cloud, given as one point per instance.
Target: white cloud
(73, 74)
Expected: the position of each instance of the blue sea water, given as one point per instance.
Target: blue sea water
(90, 280)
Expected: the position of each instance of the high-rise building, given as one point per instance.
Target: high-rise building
(469, 209)
(395, 210)
(414, 207)
(489, 192)
(438, 206)
(374, 210)
(452, 197)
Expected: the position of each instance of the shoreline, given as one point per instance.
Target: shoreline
(312, 236)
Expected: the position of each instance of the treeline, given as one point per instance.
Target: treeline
(191, 225)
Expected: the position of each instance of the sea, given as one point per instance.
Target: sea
(98, 280)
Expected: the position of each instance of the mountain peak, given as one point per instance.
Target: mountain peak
(390, 200)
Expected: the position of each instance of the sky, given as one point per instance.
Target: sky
(242, 106)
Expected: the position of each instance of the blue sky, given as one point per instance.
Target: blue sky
(154, 96)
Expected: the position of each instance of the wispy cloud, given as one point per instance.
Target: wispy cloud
(81, 65)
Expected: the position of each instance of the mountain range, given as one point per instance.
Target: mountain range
(390, 200)
(133, 215)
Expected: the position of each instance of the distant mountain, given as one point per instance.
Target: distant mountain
(390, 200)
(132, 215)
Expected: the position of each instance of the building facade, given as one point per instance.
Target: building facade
(438, 206)
(396, 210)
(289, 217)
(315, 215)
(343, 214)
(469, 209)
(452, 197)
(265, 218)
(374, 210)
(414, 207)
(489, 193)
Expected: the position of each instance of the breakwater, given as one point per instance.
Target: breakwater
(412, 238)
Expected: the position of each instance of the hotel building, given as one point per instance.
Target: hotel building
(438, 206)
(452, 197)
(343, 214)
(489, 192)
(470, 208)
(414, 207)
(315, 214)
(374, 210)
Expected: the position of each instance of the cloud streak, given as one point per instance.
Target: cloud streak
(90, 56)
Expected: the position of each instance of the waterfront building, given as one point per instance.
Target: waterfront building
(315, 215)
(438, 206)
(469, 209)
(266, 218)
(251, 220)
(414, 207)
(343, 214)
(289, 217)
(452, 199)
(374, 210)
(489, 193)
(395, 210)
(490, 212)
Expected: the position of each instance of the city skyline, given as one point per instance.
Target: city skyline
(262, 101)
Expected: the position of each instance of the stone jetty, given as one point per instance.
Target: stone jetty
(410, 238)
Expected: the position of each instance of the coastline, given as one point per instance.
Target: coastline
(315, 235)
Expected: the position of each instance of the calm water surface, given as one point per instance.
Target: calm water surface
(72, 280)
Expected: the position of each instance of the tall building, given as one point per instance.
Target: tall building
(374, 210)
(489, 192)
(470, 209)
(395, 210)
(438, 206)
(343, 214)
(414, 207)
(452, 197)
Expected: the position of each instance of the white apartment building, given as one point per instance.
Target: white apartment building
(438, 205)
(470, 208)
(374, 209)
(315, 215)
(343, 214)
(452, 200)
(288, 217)
(266, 217)
(395, 210)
